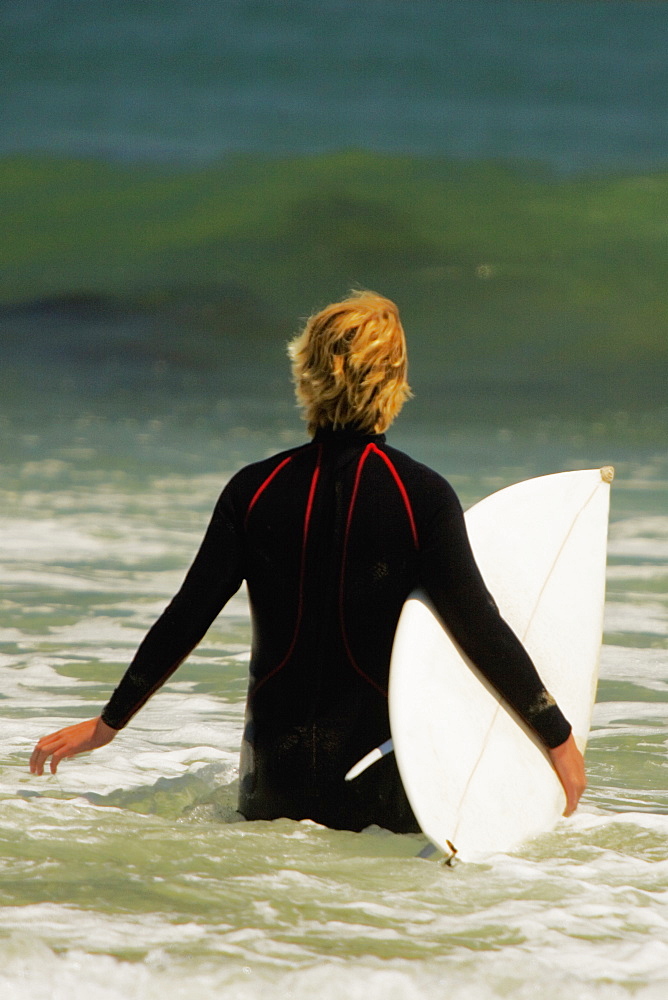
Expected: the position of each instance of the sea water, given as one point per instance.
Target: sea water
(130, 874)
(574, 84)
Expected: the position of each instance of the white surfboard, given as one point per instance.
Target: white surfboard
(475, 777)
(479, 782)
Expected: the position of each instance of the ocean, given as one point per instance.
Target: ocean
(574, 84)
(181, 183)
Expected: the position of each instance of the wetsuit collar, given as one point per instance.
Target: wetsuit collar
(345, 433)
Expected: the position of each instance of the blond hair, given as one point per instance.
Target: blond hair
(349, 364)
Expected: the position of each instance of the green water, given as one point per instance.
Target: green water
(493, 265)
(129, 873)
(179, 184)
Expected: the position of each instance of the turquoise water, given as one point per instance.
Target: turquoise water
(574, 84)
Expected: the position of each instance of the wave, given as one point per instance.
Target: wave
(490, 262)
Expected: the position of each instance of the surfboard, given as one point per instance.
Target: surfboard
(478, 780)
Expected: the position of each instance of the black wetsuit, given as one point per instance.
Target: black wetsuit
(331, 538)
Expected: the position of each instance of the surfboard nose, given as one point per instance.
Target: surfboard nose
(607, 473)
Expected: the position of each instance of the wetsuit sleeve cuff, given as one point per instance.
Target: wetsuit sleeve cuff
(109, 720)
(552, 727)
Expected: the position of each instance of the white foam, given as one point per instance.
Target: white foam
(649, 617)
(282, 909)
(176, 969)
(647, 667)
(92, 631)
(639, 538)
(634, 571)
(583, 821)
(47, 539)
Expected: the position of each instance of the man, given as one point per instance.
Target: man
(331, 537)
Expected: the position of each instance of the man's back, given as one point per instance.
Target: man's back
(331, 553)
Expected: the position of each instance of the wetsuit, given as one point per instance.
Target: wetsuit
(331, 537)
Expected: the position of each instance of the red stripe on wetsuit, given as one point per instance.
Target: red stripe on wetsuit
(302, 568)
(260, 490)
(370, 448)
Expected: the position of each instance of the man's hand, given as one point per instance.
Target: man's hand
(81, 738)
(568, 762)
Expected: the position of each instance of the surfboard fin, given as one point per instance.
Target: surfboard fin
(370, 758)
(450, 860)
